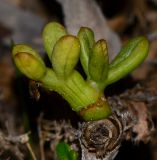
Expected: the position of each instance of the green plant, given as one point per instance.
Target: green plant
(64, 152)
(86, 97)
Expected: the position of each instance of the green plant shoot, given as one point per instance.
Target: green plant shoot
(85, 96)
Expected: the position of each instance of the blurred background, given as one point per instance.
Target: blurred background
(22, 21)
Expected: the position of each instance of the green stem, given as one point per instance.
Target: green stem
(77, 92)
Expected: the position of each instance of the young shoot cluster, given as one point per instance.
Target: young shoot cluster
(85, 95)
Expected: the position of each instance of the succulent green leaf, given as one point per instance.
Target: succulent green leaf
(86, 37)
(51, 34)
(99, 62)
(130, 56)
(28, 61)
(64, 152)
(65, 55)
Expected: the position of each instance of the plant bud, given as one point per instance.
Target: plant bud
(28, 62)
(99, 61)
(86, 37)
(51, 34)
(130, 56)
(65, 55)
